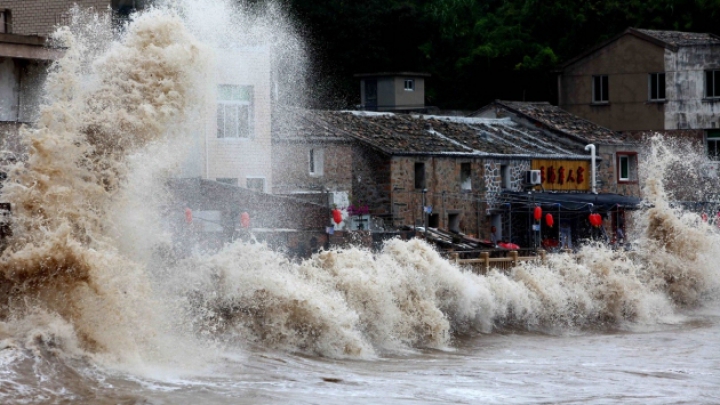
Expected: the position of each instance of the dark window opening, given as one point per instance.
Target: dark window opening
(657, 86)
(465, 176)
(712, 83)
(5, 22)
(713, 144)
(433, 220)
(409, 85)
(419, 175)
(601, 89)
(454, 223)
(371, 101)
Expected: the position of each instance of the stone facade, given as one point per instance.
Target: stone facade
(494, 178)
(452, 206)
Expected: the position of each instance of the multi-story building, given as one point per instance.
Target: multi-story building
(233, 143)
(647, 80)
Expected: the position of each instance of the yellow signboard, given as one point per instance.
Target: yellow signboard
(567, 175)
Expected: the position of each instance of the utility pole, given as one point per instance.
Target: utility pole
(424, 214)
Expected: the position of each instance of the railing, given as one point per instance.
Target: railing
(483, 264)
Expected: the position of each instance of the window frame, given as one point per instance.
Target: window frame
(712, 135)
(604, 97)
(223, 104)
(632, 175)
(655, 78)
(420, 177)
(316, 162)
(247, 184)
(466, 176)
(712, 84)
(505, 177)
(409, 84)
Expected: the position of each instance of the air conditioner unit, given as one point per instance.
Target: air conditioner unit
(532, 177)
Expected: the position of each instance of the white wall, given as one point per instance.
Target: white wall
(242, 157)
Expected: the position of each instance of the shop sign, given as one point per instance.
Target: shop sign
(567, 175)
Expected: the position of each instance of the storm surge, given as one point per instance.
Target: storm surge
(74, 283)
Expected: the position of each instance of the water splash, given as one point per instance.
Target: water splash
(75, 275)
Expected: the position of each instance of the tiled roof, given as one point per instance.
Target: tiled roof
(555, 118)
(679, 38)
(417, 134)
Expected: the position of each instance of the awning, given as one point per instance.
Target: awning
(571, 201)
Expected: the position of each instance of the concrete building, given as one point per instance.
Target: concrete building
(393, 91)
(647, 80)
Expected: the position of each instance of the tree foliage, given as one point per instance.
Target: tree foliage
(476, 50)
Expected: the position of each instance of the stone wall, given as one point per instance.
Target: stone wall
(493, 177)
(291, 166)
(444, 193)
(607, 170)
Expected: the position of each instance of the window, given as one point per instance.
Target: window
(409, 85)
(5, 21)
(657, 86)
(626, 167)
(600, 90)
(713, 144)
(234, 112)
(505, 177)
(316, 161)
(419, 175)
(465, 176)
(227, 180)
(256, 183)
(623, 168)
(712, 84)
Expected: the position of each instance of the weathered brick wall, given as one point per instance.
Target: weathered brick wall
(39, 17)
(291, 171)
(370, 180)
(444, 193)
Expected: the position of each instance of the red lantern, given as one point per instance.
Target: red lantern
(595, 219)
(538, 213)
(188, 215)
(245, 220)
(549, 220)
(337, 215)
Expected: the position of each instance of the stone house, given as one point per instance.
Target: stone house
(617, 154)
(462, 174)
(644, 81)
